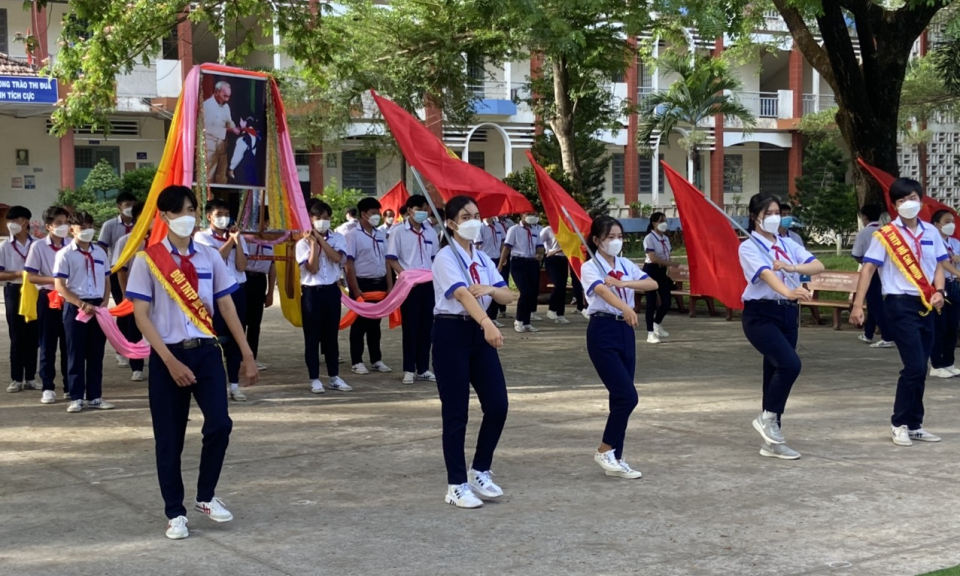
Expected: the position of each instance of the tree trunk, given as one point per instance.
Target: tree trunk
(697, 177)
(922, 162)
(563, 121)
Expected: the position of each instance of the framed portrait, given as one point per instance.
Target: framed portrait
(234, 144)
(23, 157)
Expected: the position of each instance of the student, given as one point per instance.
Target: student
(491, 242)
(81, 276)
(657, 248)
(39, 267)
(261, 282)
(227, 240)
(367, 272)
(413, 246)
(24, 336)
(524, 250)
(772, 266)
(110, 233)
(876, 317)
(786, 223)
(172, 303)
(129, 329)
(945, 323)
(557, 267)
(611, 284)
(465, 343)
(319, 254)
(389, 217)
(911, 290)
(351, 222)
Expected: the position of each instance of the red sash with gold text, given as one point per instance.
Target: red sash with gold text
(906, 262)
(166, 271)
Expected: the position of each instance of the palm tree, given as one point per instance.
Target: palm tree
(704, 88)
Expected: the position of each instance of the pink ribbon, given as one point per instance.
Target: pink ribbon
(405, 282)
(123, 347)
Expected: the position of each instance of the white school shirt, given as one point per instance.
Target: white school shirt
(118, 250)
(449, 274)
(214, 280)
(757, 255)
(41, 257)
(216, 117)
(207, 238)
(549, 241)
(795, 237)
(328, 272)
(862, 241)
(346, 227)
(953, 248)
(491, 240)
(71, 265)
(931, 246)
(523, 241)
(260, 266)
(367, 252)
(13, 256)
(657, 243)
(413, 250)
(110, 234)
(591, 277)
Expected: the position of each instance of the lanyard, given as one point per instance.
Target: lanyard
(89, 263)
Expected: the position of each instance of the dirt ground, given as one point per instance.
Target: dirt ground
(353, 483)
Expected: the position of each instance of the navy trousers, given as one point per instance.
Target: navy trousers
(526, 275)
(170, 407)
(320, 309)
(658, 301)
(52, 337)
(24, 337)
(772, 329)
(85, 344)
(876, 315)
(368, 328)
(914, 337)
(557, 268)
(612, 347)
(462, 357)
(944, 349)
(256, 287)
(417, 326)
(231, 350)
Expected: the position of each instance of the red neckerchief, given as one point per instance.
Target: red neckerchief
(529, 237)
(13, 242)
(475, 272)
(419, 242)
(621, 293)
(187, 267)
(779, 252)
(89, 256)
(663, 244)
(63, 242)
(217, 237)
(126, 227)
(916, 240)
(376, 245)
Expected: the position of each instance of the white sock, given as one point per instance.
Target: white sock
(234, 387)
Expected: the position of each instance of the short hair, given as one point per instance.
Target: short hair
(16, 212)
(352, 212)
(872, 211)
(319, 208)
(786, 207)
(416, 201)
(220, 85)
(138, 210)
(125, 197)
(171, 199)
(368, 203)
(903, 187)
(215, 204)
(938, 215)
(51, 213)
(310, 202)
(81, 218)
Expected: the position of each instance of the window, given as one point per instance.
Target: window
(645, 75)
(477, 159)
(646, 175)
(618, 77)
(476, 72)
(360, 171)
(616, 169)
(4, 48)
(774, 170)
(733, 174)
(169, 46)
(645, 181)
(301, 158)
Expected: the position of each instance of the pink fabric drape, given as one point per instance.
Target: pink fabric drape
(188, 135)
(107, 323)
(405, 282)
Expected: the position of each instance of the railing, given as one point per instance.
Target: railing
(519, 91)
(489, 90)
(809, 104)
(643, 93)
(828, 101)
(762, 104)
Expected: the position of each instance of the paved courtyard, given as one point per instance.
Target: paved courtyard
(353, 483)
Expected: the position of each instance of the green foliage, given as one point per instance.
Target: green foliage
(103, 181)
(138, 182)
(525, 182)
(828, 203)
(819, 124)
(593, 160)
(92, 197)
(339, 200)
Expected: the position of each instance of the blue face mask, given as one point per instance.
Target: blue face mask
(786, 222)
(420, 216)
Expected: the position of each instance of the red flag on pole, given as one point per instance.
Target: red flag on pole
(555, 198)
(395, 198)
(930, 205)
(712, 245)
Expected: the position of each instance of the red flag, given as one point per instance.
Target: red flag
(554, 197)
(450, 175)
(930, 205)
(395, 198)
(712, 245)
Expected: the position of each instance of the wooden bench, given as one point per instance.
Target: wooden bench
(680, 276)
(845, 282)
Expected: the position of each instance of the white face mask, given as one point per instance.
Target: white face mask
(388, 220)
(909, 209)
(86, 235)
(612, 247)
(221, 222)
(662, 227)
(949, 229)
(128, 212)
(531, 220)
(14, 228)
(321, 225)
(470, 230)
(183, 226)
(61, 231)
(374, 220)
(770, 224)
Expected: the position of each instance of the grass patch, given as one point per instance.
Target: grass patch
(955, 571)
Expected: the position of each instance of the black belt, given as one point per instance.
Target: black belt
(459, 317)
(194, 343)
(617, 317)
(522, 258)
(322, 286)
(771, 301)
(901, 297)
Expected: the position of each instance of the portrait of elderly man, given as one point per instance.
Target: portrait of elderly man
(217, 121)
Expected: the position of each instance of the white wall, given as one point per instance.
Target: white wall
(44, 163)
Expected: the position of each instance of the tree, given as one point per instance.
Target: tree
(704, 90)
(139, 181)
(828, 205)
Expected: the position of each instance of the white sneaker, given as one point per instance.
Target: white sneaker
(481, 483)
(122, 361)
(517, 325)
(921, 435)
(625, 471)
(781, 451)
(883, 344)
(177, 528)
(100, 404)
(32, 385)
(261, 366)
(66, 394)
(529, 328)
(359, 369)
(379, 366)
(214, 510)
(48, 397)
(317, 387)
(427, 377)
(337, 383)
(462, 496)
(498, 323)
(75, 406)
(137, 376)
(562, 320)
(900, 435)
(953, 370)
(408, 378)
(551, 315)
(659, 331)
(15, 387)
(940, 373)
(536, 317)
(237, 395)
(652, 338)
(608, 461)
(863, 338)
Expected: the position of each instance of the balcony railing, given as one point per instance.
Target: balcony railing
(489, 90)
(762, 104)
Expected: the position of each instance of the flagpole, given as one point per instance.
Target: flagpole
(443, 227)
(583, 240)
